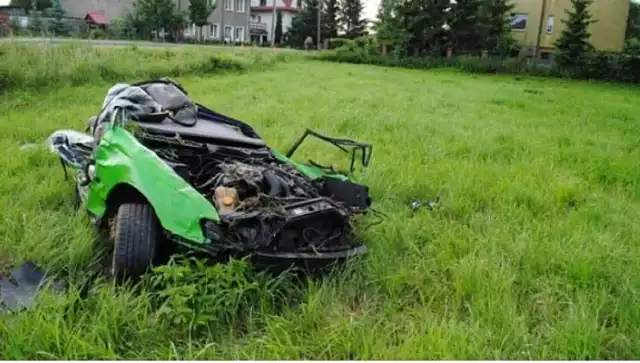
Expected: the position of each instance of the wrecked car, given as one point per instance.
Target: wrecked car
(156, 168)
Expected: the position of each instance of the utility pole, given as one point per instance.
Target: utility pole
(273, 25)
(540, 29)
(319, 17)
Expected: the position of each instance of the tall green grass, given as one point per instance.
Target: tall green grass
(531, 254)
(42, 67)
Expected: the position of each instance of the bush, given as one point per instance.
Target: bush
(611, 67)
(335, 43)
(632, 46)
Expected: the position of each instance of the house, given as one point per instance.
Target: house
(263, 17)
(539, 23)
(97, 12)
(228, 23)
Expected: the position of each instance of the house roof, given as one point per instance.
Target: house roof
(97, 17)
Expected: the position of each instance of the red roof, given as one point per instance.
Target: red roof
(97, 17)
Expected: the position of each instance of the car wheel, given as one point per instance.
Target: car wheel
(135, 237)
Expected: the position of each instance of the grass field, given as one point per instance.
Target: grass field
(531, 254)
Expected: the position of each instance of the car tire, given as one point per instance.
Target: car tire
(135, 238)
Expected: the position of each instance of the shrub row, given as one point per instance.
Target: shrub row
(44, 67)
(598, 66)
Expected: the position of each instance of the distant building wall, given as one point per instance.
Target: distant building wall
(111, 8)
(607, 34)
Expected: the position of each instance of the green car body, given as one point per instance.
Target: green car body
(121, 160)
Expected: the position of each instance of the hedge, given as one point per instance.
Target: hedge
(621, 68)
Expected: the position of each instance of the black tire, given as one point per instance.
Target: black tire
(136, 233)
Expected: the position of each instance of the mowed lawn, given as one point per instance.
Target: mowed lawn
(532, 253)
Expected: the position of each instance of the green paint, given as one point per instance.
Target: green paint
(309, 171)
(121, 159)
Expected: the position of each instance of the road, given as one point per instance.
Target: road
(117, 43)
(95, 42)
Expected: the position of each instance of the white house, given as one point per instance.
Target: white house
(263, 17)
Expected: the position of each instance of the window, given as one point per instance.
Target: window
(228, 5)
(240, 6)
(227, 32)
(190, 31)
(519, 21)
(263, 2)
(550, 24)
(239, 34)
(213, 30)
(210, 3)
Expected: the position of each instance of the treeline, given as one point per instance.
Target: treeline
(475, 36)
(342, 18)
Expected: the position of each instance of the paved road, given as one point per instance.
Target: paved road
(117, 43)
(111, 43)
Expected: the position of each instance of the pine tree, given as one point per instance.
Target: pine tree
(351, 19)
(329, 23)
(57, 26)
(199, 11)
(304, 24)
(36, 23)
(633, 21)
(423, 21)
(573, 44)
(495, 27)
(388, 26)
(464, 21)
(29, 6)
(278, 31)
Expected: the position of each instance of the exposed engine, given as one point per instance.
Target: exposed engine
(267, 205)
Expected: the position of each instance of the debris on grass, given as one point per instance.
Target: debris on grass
(20, 288)
(430, 204)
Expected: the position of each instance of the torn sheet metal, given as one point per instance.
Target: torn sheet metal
(19, 290)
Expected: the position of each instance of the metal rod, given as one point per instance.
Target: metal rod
(540, 28)
(319, 17)
(273, 25)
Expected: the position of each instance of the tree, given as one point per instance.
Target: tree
(178, 22)
(304, 24)
(58, 26)
(573, 44)
(351, 20)
(464, 21)
(278, 31)
(495, 27)
(199, 11)
(28, 5)
(329, 23)
(156, 14)
(423, 21)
(633, 22)
(36, 23)
(388, 26)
